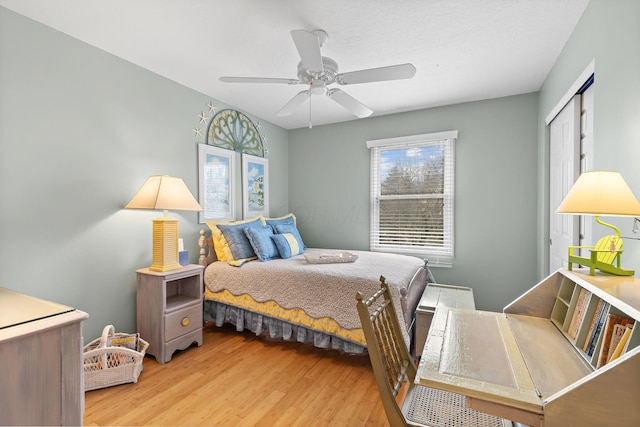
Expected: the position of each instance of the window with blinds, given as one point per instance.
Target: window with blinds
(412, 194)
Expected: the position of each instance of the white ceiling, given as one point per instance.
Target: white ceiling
(464, 50)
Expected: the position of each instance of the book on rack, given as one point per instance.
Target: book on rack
(592, 325)
(129, 341)
(609, 326)
(616, 336)
(593, 339)
(578, 313)
(621, 346)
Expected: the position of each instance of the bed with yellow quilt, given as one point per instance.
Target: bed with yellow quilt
(261, 277)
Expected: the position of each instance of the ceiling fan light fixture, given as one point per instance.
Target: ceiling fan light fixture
(318, 88)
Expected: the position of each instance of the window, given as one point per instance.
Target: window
(412, 193)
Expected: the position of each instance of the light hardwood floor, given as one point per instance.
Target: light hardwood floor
(237, 379)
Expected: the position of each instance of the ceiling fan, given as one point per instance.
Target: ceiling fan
(318, 72)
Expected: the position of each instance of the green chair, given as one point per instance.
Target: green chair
(604, 254)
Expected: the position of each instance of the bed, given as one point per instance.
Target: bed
(306, 295)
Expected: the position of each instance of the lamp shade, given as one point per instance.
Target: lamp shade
(600, 193)
(164, 193)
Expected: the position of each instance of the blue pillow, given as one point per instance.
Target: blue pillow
(290, 228)
(287, 219)
(261, 242)
(287, 245)
(237, 240)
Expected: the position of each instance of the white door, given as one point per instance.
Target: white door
(586, 160)
(564, 168)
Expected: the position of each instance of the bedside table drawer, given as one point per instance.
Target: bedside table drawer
(182, 322)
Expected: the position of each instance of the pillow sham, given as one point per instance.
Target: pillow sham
(261, 242)
(287, 245)
(220, 244)
(236, 238)
(292, 229)
(286, 219)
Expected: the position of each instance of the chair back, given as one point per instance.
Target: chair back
(608, 247)
(391, 362)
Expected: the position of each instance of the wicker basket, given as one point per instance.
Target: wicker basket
(105, 366)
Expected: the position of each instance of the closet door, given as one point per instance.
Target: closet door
(586, 161)
(564, 168)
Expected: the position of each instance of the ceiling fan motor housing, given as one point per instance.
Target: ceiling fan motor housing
(326, 77)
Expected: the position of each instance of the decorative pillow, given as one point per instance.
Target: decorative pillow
(286, 219)
(290, 228)
(261, 242)
(222, 246)
(236, 238)
(287, 245)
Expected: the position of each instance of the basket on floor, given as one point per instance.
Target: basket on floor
(106, 364)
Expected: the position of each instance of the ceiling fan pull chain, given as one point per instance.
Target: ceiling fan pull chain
(310, 110)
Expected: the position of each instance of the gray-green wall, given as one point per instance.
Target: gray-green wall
(495, 203)
(80, 132)
(609, 34)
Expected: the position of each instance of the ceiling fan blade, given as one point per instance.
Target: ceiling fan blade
(259, 80)
(308, 45)
(392, 72)
(294, 103)
(350, 103)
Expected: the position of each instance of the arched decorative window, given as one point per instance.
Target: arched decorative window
(235, 131)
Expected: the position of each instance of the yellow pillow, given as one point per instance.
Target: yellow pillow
(220, 245)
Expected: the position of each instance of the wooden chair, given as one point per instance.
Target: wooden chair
(603, 255)
(395, 373)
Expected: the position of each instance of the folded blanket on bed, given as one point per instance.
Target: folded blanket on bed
(320, 290)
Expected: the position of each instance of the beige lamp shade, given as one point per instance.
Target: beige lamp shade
(600, 193)
(164, 192)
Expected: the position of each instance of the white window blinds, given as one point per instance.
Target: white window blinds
(412, 195)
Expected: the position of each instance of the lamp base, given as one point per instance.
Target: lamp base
(165, 245)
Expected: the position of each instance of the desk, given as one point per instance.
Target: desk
(436, 295)
(522, 364)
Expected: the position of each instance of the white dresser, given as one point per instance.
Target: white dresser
(41, 363)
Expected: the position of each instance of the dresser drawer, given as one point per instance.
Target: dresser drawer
(182, 322)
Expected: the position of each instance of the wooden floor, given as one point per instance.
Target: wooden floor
(237, 379)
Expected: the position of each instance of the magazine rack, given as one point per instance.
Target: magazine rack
(107, 364)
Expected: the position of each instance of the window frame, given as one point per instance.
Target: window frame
(436, 255)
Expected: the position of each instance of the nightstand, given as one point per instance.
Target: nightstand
(434, 296)
(169, 309)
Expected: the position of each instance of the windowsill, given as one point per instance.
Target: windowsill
(430, 262)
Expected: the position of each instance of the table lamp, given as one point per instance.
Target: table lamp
(164, 192)
(601, 193)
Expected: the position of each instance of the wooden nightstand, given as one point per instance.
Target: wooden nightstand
(169, 309)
